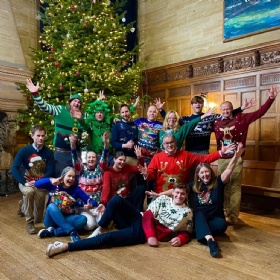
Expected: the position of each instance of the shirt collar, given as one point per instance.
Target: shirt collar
(36, 148)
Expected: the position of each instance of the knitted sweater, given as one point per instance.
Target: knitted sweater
(163, 217)
(117, 182)
(170, 169)
(122, 132)
(23, 170)
(90, 180)
(64, 123)
(181, 134)
(235, 129)
(148, 136)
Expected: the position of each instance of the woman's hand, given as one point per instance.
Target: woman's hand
(137, 151)
(88, 205)
(56, 181)
(158, 104)
(175, 242)
(32, 88)
(152, 194)
(143, 169)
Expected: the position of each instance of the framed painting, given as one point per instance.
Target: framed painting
(247, 17)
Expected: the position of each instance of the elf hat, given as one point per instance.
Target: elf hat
(33, 158)
(75, 96)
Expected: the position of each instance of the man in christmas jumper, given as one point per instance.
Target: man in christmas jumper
(32, 163)
(125, 135)
(233, 129)
(67, 120)
(164, 218)
(173, 166)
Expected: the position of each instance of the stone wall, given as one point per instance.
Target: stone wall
(180, 30)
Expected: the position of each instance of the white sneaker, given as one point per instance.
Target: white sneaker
(96, 233)
(56, 248)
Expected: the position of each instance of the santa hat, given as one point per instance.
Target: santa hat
(33, 158)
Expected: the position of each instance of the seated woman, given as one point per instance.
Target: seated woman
(116, 181)
(90, 176)
(60, 218)
(171, 126)
(208, 190)
(165, 218)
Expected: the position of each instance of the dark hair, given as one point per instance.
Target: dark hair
(181, 186)
(197, 99)
(124, 105)
(119, 154)
(37, 128)
(197, 183)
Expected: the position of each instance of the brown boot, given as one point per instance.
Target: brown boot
(19, 212)
(30, 228)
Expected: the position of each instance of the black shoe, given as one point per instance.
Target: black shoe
(75, 236)
(46, 232)
(214, 248)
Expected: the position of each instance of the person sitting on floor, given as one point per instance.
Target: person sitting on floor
(60, 218)
(208, 190)
(166, 219)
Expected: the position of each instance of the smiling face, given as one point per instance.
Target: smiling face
(69, 179)
(171, 120)
(226, 109)
(99, 116)
(91, 160)
(75, 104)
(152, 113)
(205, 175)
(197, 108)
(169, 144)
(179, 196)
(119, 163)
(125, 113)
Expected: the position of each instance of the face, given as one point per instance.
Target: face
(197, 108)
(75, 103)
(179, 196)
(91, 160)
(169, 145)
(119, 162)
(205, 175)
(171, 120)
(99, 116)
(69, 179)
(125, 113)
(226, 110)
(39, 138)
(152, 113)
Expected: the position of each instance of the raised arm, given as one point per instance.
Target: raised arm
(225, 176)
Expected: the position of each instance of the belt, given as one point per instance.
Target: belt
(62, 150)
(74, 129)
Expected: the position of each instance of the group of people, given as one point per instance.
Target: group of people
(110, 189)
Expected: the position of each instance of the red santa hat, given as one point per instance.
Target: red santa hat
(33, 158)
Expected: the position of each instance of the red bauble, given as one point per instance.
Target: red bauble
(22, 121)
(51, 57)
(78, 73)
(117, 73)
(61, 88)
(85, 24)
(111, 16)
(57, 64)
(74, 8)
(52, 49)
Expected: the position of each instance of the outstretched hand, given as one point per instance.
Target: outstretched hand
(31, 87)
(272, 93)
(137, 151)
(56, 181)
(158, 103)
(248, 104)
(143, 169)
(228, 149)
(209, 112)
(152, 194)
(240, 150)
(102, 96)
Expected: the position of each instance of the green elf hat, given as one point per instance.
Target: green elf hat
(75, 96)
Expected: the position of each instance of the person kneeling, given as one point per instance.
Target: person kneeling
(164, 218)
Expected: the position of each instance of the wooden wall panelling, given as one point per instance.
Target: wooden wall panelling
(233, 77)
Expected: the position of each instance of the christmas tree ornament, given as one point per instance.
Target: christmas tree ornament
(85, 24)
(57, 64)
(42, 2)
(78, 73)
(61, 88)
(73, 8)
(86, 90)
(123, 19)
(52, 122)
(51, 57)
(111, 16)
(132, 29)
(52, 49)
(42, 60)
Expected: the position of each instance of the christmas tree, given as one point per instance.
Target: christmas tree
(84, 50)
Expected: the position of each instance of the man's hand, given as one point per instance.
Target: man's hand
(209, 112)
(248, 104)
(158, 104)
(137, 151)
(272, 93)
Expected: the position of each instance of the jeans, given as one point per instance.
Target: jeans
(121, 212)
(63, 224)
(62, 160)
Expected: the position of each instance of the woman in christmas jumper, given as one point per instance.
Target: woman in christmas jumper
(164, 218)
(60, 219)
(67, 120)
(208, 191)
(171, 126)
(90, 176)
(116, 181)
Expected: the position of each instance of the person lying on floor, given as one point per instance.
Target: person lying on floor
(60, 218)
(167, 218)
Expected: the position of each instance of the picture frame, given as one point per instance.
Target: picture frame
(249, 17)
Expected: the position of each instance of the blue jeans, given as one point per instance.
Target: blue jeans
(121, 212)
(63, 224)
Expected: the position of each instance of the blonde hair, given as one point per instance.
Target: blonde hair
(165, 122)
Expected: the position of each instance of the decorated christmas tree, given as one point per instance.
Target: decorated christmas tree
(83, 50)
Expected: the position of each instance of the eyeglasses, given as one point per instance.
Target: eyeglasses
(169, 143)
(170, 118)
